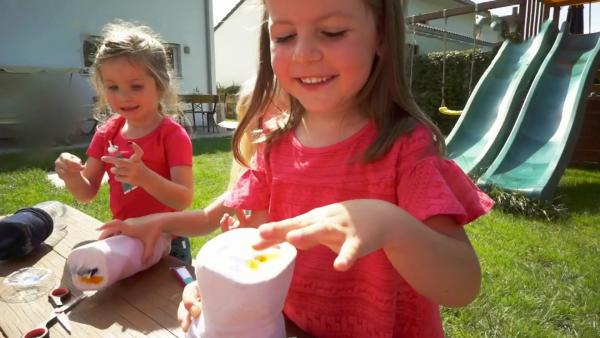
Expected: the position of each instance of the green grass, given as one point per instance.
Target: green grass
(540, 278)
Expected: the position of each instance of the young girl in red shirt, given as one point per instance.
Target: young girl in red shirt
(356, 179)
(147, 155)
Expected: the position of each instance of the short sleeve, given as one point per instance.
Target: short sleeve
(430, 185)
(178, 146)
(96, 147)
(252, 189)
(105, 132)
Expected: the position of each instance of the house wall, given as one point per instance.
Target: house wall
(236, 45)
(41, 33)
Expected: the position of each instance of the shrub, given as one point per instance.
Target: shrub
(427, 81)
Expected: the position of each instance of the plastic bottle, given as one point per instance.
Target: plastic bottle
(54, 208)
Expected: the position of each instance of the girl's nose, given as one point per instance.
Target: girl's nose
(124, 94)
(306, 51)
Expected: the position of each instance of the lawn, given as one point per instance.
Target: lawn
(540, 278)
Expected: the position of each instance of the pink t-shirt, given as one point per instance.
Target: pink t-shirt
(165, 147)
(371, 299)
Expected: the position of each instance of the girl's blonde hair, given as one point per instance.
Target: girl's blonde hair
(385, 98)
(139, 44)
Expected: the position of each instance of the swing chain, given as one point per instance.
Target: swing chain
(444, 59)
(412, 51)
(473, 51)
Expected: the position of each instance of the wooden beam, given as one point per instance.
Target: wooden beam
(567, 2)
(484, 6)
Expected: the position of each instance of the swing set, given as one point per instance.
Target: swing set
(523, 118)
(443, 109)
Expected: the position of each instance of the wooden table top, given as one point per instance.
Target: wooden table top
(142, 305)
(139, 306)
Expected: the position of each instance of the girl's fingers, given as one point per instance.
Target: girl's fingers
(106, 234)
(241, 216)
(348, 254)
(225, 222)
(138, 152)
(183, 317)
(149, 248)
(263, 244)
(190, 298)
(308, 237)
(111, 159)
(73, 166)
(110, 226)
(278, 230)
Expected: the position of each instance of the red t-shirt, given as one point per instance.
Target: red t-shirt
(371, 299)
(165, 147)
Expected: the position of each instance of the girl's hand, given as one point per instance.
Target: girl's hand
(189, 307)
(229, 223)
(347, 228)
(68, 165)
(129, 170)
(146, 228)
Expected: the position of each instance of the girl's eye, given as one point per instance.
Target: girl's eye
(137, 87)
(283, 39)
(336, 34)
(113, 88)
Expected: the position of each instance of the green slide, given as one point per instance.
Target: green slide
(540, 145)
(493, 106)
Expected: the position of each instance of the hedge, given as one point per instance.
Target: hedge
(427, 81)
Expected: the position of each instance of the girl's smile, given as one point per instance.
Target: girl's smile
(315, 83)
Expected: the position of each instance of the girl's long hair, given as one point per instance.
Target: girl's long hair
(385, 98)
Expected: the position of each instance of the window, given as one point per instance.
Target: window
(174, 58)
(90, 47)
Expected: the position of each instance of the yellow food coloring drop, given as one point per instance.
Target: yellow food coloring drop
(254, 263)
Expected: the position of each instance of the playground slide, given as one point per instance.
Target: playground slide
(540, 145)
(496, 100)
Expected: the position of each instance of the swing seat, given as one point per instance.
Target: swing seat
(444, 110)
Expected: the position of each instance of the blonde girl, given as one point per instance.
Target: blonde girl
(147, 155)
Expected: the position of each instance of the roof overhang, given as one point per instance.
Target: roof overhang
(567, 2)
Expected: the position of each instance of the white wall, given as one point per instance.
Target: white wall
(236, 45)
(45, 33)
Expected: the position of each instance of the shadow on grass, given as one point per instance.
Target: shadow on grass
(211, 145)
(580, 197)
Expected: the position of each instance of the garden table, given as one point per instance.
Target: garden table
(142, 305)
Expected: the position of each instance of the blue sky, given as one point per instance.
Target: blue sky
(222, 7)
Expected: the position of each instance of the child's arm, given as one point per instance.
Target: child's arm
(82, 181)
(176, 193)
(182, 223)
(437, 260)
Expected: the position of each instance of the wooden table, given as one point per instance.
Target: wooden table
(139, 306)
(142, 305)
